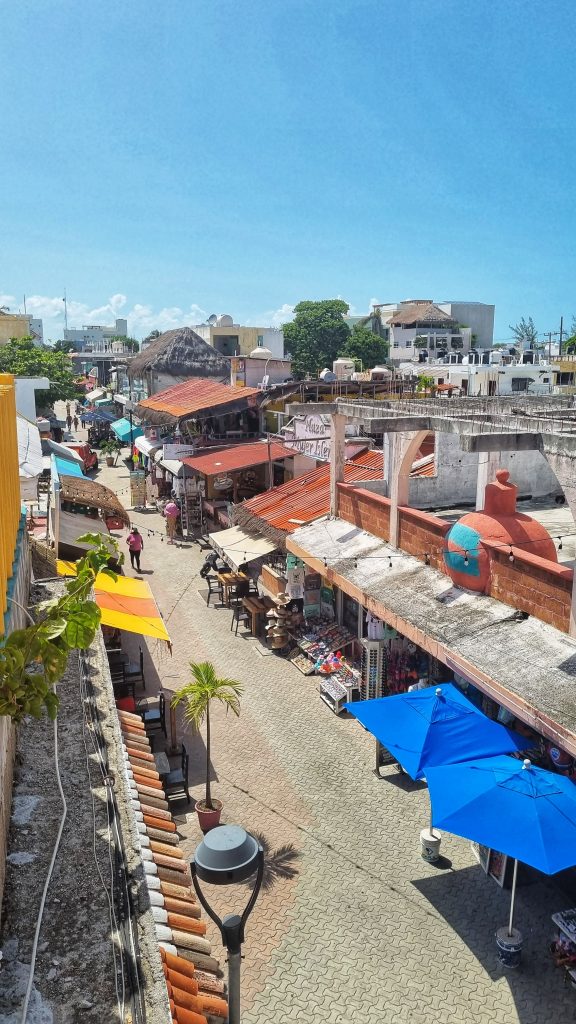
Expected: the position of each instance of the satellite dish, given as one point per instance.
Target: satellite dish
(212, 319)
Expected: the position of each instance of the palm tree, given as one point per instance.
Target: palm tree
(197, 695)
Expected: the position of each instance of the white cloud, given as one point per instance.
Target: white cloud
(141, 318)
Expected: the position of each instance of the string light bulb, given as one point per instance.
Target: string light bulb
(511, 555)
(426, 558)
(389, 561)
(560, 544)
(465, 558)
(355, 563)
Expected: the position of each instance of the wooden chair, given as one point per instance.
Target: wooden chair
(135, 672)
(239, 614)
(124, 688)
(154, 718)
(214, 587)
(176, 782)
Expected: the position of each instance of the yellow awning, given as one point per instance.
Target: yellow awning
(124, 603)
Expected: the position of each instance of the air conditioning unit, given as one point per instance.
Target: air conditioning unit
(373, 681)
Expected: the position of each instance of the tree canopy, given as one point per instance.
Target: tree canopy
(364, 344)
(525, 332)
(317, 335)
(25, 359)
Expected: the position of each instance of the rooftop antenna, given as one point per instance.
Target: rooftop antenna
(65, 311)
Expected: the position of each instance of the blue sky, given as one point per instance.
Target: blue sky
(166, 161)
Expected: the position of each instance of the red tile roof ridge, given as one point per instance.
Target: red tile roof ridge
(177, 916)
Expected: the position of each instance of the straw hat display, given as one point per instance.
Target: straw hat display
(283, 598)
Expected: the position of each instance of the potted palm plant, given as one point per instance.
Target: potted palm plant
(197, 696)
(111, 449)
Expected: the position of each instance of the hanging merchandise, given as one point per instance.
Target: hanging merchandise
(295, 584)
(376, 629)
(327, 601)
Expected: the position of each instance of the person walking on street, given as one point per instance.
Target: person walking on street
(82, 421)
(69, 421)
(67, 409)
(135, 542)
(171, 512)
(76, 423)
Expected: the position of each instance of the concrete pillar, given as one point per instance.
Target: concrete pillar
(402, 449)
(337, 454)
(564, 467)
(488, 464)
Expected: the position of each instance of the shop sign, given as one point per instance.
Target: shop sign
(293, 562)
(178, 451)
(222, 483)
(151, 434)
(311, 437)
(138, 488)
(327, 601)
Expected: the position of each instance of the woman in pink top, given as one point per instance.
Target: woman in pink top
(171, 512)
(135, 544)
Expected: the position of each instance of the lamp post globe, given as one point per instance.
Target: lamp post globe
(228, 855)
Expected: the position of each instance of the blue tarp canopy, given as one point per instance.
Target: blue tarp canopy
(102, 416)
(434, 726)
(66, 467)
(124, 432)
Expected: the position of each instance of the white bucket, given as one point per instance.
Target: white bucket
(430, 843)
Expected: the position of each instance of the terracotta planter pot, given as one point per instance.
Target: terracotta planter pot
(208, 819)
(109, 460)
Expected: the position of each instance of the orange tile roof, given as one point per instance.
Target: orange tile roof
(195, 395)
(240, 456)
(307, 497)
(192, 974)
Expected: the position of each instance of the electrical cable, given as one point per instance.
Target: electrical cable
(39, 918)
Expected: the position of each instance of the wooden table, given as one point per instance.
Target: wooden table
(256, 606)
(162, 763)
(231, 579)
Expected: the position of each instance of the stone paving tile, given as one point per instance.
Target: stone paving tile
(367, 931)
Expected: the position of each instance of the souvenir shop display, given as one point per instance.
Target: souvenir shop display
(320, 639)
(373, 672)
(281, 620)
(563, 946)
(406, 665)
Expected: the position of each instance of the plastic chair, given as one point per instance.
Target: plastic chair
(176, 782)
(214, 587)
(154, 718)
(239, 614)
(136, 672)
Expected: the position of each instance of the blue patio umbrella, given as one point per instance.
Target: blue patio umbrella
(434, 726)
(511, 806)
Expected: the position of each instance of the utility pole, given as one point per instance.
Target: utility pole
(561, 335)
(65, 311)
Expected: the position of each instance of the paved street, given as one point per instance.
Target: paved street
(366, 931)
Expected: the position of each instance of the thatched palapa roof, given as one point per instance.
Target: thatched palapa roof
(88, 492)
(421, 314)
(181, 353)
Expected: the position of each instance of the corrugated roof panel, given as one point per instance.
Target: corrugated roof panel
(308, 497)
(240, 456)
(194, 395)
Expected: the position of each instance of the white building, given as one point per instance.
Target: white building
(231, 339)
(416, 326)
(26, 388)
(495, 372)
(96, 338)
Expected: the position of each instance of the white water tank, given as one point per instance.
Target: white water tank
(343, 368)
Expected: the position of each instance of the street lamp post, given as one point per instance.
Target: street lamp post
(227, 855)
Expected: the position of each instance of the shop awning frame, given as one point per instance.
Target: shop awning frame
(236, 546)
(124, 603)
